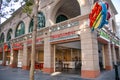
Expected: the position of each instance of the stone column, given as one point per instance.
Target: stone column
(89, 51)
(4, 58)
(108, 57)
(20, 58)
(103, 55)
(114, 54)
(85, 6)
(119, 53)
(25, 63)
(48, 56)
(13, 58)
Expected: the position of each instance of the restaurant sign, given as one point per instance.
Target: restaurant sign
(6, 47)
(108, 37)
(38, 41)
(63, 36)
(17, 46)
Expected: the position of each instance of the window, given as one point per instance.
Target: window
(61, 18)
(95, 1)
(41, 22)
(31, 26)
(9, 34)
(20, 29)
(2, 38)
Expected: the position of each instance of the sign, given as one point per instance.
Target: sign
(63, 36)
(6, 47)
(108, 37)
(38, 40)
(99, 15)
(17, 46)
(1, 49)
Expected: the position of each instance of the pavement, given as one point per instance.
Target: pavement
(7, 73)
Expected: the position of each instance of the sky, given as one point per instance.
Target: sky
(115, 2)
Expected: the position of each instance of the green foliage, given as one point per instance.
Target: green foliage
(29, 3)
(28, 8)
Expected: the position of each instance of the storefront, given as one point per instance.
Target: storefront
(68, 57)
(65, 42)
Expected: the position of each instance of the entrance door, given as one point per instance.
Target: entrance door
(7, 58)
(16, 58)
(1, 56)
(68, 57)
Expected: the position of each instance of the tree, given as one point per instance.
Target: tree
(7, 8)
(27, 9)
(36, 3)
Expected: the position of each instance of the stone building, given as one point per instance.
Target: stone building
(64, 35)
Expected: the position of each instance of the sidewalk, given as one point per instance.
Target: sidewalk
(7, 73)
(108, 75)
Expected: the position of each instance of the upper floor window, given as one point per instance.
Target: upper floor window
(61, 18)
(95, 1)
(20, 30)
(2, 38)
(9, 34)
(41, 22)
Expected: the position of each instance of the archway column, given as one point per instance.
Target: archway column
(119, 54)
(4, 58)
(114, 54)
(85, 6)
(108, 57)
(25, 62)
(89, 50)
(13, 60)
(49, 56)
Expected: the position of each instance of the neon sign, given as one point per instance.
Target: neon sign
(99, 15)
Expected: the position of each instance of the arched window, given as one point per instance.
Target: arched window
(61, 18)
(31, 26)
(20, 29)
(41, 22)
(95, 1)
(9, 34)
(2, 38)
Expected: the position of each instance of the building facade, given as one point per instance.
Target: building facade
(64, 39)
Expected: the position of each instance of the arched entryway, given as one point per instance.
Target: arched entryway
(1, 49)
(68, 57)
(16, 50)
(65, 9)
(7, 52)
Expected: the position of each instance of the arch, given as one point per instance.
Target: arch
(2, 38)
(20, 30)
(9, 35)
(95, 1)
(70, 8)
(41, 22)
(61, 18)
